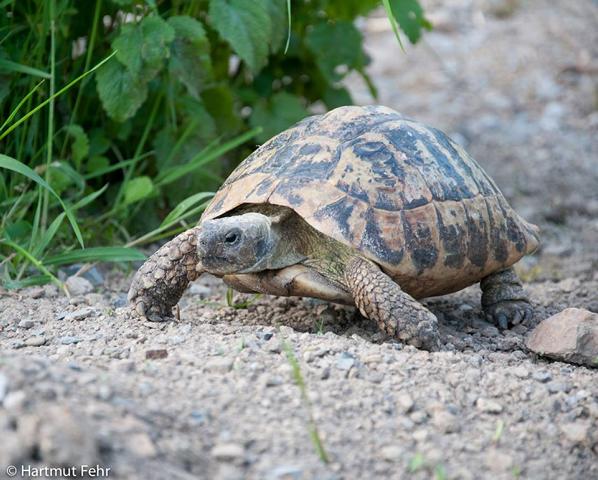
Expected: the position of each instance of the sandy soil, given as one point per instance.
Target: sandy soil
(213, 395)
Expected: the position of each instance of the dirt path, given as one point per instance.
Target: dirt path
(213, 395)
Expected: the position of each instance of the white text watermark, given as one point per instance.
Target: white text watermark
(25, 471)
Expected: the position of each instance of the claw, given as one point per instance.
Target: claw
(502, 320)
(516, 320)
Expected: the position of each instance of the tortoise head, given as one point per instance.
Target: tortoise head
(236, 244)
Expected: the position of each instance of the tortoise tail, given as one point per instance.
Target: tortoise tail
(532, 236)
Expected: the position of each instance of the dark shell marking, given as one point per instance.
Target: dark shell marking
(403, 194)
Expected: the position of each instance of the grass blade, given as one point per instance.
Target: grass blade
(97, 254)
(19, 167)
(185, 205)
(204, 157)
(33, 260)
(48, 235)
(19, 105)
(57, 94)
(9, 66)
(393, 22)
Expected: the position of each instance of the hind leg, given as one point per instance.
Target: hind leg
(503, 299)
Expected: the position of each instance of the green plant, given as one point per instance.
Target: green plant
(312, 427)
(126, 109)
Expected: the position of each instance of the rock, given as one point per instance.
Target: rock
(79, 314)
(15, 400)
(498, 461)
(156, 354)
(26, 324)
(391, 453)
(36, 341)
(445, 421)
(228, 452)
(577, 432)
(65, 439)
(78, 286)
(285, 472)
(219, 364)
(405, 403)
(488, 406)
(141, 445)
(520, 372)
(345, 361)
(569, 336)
(542, 376)
(69, 340)
(3, 387)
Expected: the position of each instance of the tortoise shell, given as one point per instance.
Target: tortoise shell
(403, 194)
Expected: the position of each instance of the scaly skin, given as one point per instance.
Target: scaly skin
(503, 299)
(161, 281)
(380, 299)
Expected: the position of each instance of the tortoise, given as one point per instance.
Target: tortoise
(359, 206)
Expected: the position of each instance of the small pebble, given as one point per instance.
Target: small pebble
(542, 376)
(156, 354)
(345, 361)
(79, 314)
(69, 340)
(391, 453)
(488, 406)
(36, 341)
(26, 324)
(78, 286)
(228, 451)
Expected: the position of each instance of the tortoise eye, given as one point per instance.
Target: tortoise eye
(232, 237)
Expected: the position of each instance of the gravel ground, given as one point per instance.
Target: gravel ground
(213, 395)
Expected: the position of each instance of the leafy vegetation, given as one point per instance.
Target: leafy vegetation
(116, 113)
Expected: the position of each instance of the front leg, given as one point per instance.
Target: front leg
(503, 299)
(398, 314)
(161, 281)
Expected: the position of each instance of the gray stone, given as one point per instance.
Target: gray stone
(78, 286)
(219, 364)
(3, 386)
(228, 452)
(36, 341)
(569, 336)
(391, 453)
(26, 324)
(488, 406)
(345, 361)
(542, 376)
(69, 340)
(79, 314)
(285, 472)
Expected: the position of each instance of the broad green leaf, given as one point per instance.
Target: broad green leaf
(337, 48)
(80, 146)
(410, 16)
(185, 205)
(277, 9)
(246, 26)
(137, 189)
(97, 254)
(16, 166)
(128, 45)
(279, 113)
(121, 93)
(8, 66)
(219, 101)
(62, 174)
(349, 9)
(190, 54)
(157, 37)
(336, 97)
(97, 163)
